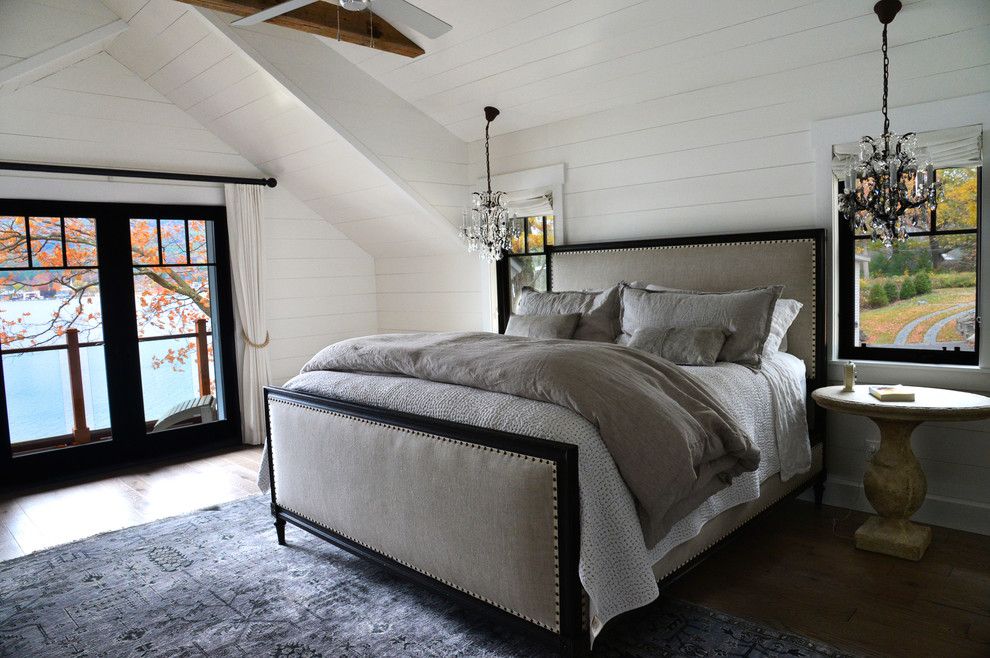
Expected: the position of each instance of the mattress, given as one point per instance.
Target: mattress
(615, 564)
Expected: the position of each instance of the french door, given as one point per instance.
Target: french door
(116, 334)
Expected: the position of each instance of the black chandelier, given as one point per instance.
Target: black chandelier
(488, 228)
(886, 181)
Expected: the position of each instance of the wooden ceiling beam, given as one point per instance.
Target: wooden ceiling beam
(322, 18)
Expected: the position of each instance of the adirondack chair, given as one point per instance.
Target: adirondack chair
(203, 408)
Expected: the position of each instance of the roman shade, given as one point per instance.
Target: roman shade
(529, 204)
(952, 147)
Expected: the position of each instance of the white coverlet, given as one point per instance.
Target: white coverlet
(615, 564)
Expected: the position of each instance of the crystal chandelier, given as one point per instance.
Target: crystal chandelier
(885, 181)
(488, 227)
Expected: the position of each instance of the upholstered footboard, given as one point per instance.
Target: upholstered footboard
(487, 517)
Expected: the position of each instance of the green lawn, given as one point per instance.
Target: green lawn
(882, 324)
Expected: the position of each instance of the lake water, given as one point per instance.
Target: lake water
(36, 384)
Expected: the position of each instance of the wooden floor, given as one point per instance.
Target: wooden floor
(40, 518)
(795, 569)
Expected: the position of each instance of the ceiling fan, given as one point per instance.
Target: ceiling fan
(393, 11)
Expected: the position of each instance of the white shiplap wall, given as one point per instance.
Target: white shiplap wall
(97, 112)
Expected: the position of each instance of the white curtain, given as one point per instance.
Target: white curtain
(244, 217)
(953, 147)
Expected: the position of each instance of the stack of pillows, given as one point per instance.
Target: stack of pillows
(683, 326)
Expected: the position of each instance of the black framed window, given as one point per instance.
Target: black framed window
(525, 264)
(918, 301)
(116, 334)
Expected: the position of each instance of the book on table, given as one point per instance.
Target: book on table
(895, 393)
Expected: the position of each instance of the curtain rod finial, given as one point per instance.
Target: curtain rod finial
(271, 182)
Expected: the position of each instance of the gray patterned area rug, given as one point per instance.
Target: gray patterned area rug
(215, 583)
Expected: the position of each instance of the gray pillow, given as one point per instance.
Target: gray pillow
(686, 346)
(745, 314)
(542, 326)
(784, 313)
(599, 310)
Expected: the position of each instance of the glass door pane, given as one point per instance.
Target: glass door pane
(174, 286)
(51, 333)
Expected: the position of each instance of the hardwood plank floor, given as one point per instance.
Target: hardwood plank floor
(795, 569)
(34, 519)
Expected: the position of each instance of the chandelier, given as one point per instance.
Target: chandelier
(488, 227)
(885, 181)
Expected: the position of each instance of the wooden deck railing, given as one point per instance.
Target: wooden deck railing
(80, 429)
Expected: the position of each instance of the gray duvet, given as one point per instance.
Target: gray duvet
(670, 439)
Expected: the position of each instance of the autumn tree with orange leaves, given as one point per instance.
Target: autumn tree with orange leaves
(171, 285)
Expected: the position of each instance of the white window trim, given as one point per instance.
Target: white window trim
(937, 115)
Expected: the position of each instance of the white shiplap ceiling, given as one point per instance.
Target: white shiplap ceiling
(541, 61)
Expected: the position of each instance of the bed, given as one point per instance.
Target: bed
(385, 470)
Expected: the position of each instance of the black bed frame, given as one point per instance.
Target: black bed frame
(572, 640)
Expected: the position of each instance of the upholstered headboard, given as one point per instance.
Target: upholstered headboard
(794, 259)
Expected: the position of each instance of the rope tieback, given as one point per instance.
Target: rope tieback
(257, 346)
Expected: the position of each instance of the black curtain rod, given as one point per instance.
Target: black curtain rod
(134, 173)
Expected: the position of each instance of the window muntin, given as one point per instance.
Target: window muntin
(50, 322)
(526, 262)
(174, 281)
(916, 302)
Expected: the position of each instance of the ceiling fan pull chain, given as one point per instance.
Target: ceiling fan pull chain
(338, 23)
(371, 25)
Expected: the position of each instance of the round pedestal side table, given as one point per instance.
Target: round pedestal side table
(894, 483)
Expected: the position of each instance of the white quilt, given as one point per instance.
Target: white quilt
(615, 565)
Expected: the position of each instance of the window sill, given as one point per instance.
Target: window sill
(968, 378)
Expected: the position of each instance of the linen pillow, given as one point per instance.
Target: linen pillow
(784, 313)
(745, 314)
(599, 310)
(686, 346)
(542, 326)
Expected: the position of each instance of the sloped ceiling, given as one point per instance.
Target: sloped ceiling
(543, 61)
(331, 138)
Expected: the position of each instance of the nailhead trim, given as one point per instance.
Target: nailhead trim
(505, 453)
(814, 273)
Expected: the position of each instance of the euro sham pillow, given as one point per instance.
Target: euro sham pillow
(784, 314)
(744, 314)
(685, 346)
(543, 326)
(599, 310)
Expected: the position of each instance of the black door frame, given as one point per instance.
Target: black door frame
(131, 441)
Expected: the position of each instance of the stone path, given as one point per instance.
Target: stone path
(931, 336)
(905, 332)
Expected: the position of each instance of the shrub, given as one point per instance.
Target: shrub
(907, 288)
(954, 280)
(878, 296)
(923, 283)
(890, 287)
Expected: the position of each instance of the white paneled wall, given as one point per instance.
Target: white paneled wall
(97, 112)
(321, 286)
(442, 292)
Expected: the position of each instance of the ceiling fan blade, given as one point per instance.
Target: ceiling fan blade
(409, 15)
(272, 12)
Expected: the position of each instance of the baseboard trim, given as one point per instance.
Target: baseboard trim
(936, 510)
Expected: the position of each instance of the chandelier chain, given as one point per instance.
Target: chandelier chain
(488, 158)
(886, 66)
